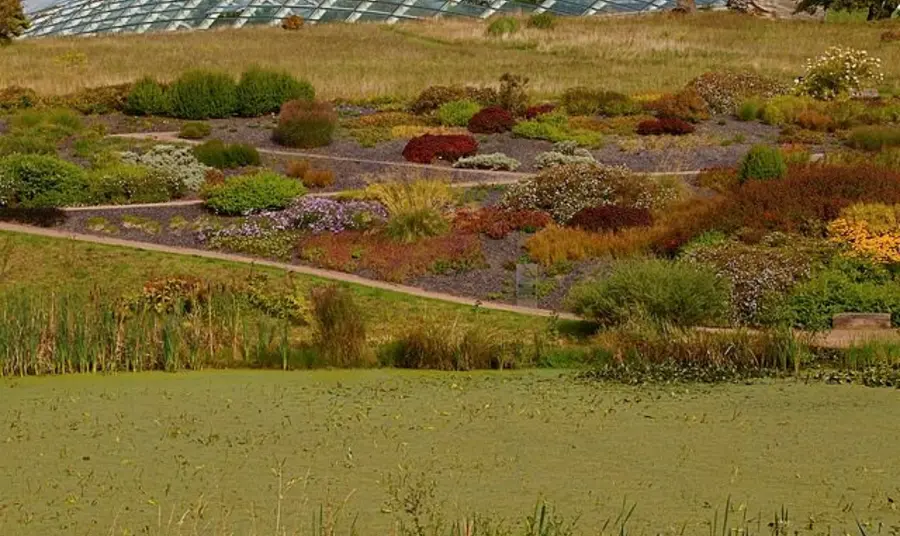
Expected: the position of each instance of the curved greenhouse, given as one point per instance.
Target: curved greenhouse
(85, 17)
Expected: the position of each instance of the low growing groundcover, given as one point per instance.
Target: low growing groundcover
(212, 452)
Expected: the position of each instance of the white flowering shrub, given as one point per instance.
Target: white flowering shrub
(563, 190)
(493, 161)
(839, 71)
(177, 165)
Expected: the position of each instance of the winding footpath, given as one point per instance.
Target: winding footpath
(296, 268)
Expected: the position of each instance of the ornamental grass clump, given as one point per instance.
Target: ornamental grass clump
(839, 71)
(762, 163)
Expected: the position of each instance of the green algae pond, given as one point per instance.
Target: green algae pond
(388, 452)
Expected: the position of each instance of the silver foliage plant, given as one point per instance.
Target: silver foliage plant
(177, 164)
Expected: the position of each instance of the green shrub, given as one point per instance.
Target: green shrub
(762, 163)
(305, 124)
(194, 130)
(555, 127)
(759, 271)
(457, 113)
(503, 26)
(415, 224)
(147, 97)
(41, 181)
(340, 327)
(246, 194)
(220, 155)
(261, 91)
(588, 101)
(128, 183)
(846, 286)
(749, 110)
(542, 21)
(662, 291)
(874, 138)
(203, 95)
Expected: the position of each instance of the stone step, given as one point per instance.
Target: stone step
(861, 321)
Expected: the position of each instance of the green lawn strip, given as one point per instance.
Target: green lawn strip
(54, 265)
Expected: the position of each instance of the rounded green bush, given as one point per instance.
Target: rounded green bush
(305, 124)
(246, 194)
(194, 130)
(41, 181)
(147, 97)
(261, 91)
(457, 113)
(662, 291)
(762, 163)
(130, 183)
(203, 95)
(503, 26)
(749, 110)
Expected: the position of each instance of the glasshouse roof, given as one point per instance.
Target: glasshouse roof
(85, 17)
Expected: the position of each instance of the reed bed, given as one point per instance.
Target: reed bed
(58, 334)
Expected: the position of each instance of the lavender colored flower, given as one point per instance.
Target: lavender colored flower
(314, 214)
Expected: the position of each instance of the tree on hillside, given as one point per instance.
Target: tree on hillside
(12, 20)
(878, 9)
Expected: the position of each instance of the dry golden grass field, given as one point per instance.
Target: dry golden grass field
(645, 54)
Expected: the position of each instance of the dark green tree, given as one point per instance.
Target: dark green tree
(877, 9)
(12, 20)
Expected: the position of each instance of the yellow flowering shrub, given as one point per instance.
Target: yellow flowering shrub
(869, 230)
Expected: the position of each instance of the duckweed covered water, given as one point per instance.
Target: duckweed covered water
(210, 453)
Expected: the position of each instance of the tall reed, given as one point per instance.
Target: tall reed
(70, 333)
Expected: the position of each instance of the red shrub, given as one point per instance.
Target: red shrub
(687, 104)
(808, 197)
(533, 111)
(611, 218)
(804, 202)
(496, 223)
(451, 147)
(352, 251)
(491, 120)
(665, 125)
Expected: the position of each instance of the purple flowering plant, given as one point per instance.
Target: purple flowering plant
(309, 213)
